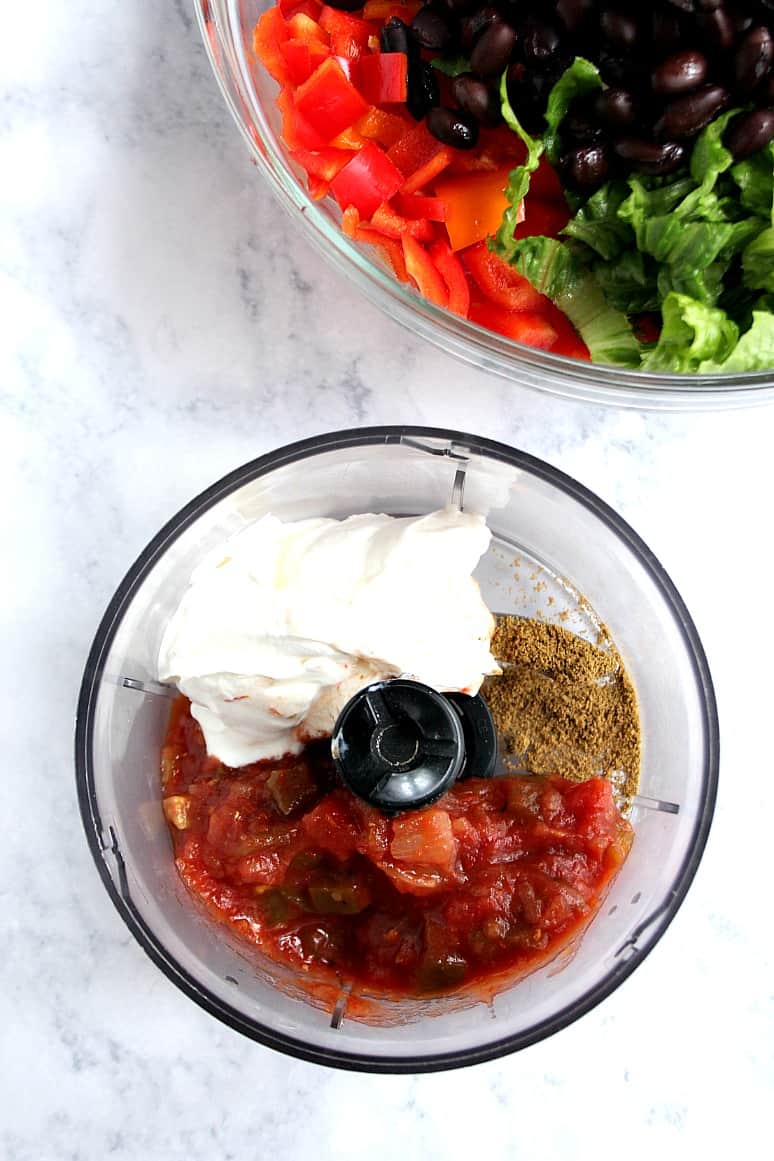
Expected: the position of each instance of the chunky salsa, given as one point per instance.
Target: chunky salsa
(495, 878)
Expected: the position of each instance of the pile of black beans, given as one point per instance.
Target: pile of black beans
(669, 68)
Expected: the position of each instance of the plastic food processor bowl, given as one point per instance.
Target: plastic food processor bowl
(249, 91)
(552, 541)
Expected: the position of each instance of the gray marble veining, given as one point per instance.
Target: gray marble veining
(162, 322)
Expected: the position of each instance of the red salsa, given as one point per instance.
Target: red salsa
(493, 880)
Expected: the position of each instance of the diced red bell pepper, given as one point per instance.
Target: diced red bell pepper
(414, 149)
(318, 187)
(383, 127)
(348, 33)
(297, 133)
(303, 27)
(545, 184)
(391, 251)
(542, 218)
(647, 327)
(383, 77)
(423, 272)
(524, 326)
(383, 9)
(311, 8)
(475, 204)
(350, 220)
(428, 172)
(269, 34)
(450, 269)
(413, 206)
(496, 149)
(500, 282)
(367, 180)
(302, 59)
(322, 163)
(394, 225)
(328, 101)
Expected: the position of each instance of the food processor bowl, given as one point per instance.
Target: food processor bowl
(557, 552)
(249, 91)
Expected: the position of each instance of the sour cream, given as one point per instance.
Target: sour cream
(285, 622)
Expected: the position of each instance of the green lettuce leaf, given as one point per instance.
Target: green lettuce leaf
(452, 66)
(504, 242)
(630, 282)
(755, 179)
(555, 269)
(755, 349)
(758, 262)
(598, 225)
(692, 334)
(581, 78)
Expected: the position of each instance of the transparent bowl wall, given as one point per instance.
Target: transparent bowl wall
(249, 92)
(563, 536)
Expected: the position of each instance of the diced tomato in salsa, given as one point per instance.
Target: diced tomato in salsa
(493, 880)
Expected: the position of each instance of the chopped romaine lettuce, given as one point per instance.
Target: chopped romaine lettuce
(581, 78)
(697, 245)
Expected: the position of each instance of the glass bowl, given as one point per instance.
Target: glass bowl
(249, 92)
(557, 551)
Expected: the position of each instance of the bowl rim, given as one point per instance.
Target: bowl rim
(538, 370)
(104, 845)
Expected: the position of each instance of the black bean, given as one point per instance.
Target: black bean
(619, 27)
(616, 107)
(741, 21)
(453, 127)
(753, 58)
(681, 73)
(492, 51)
(459, 5)
(480, 100)
(423, 92)
(396, 37)
(432, 28)
(582, 123)
(572, 13)
(666, 32)
(749, 133)
(474, 23)
(585, 167)
(717, 28)
(646, 157)
(527, 99)
(687, 116)
(539, 42)
(683, 5)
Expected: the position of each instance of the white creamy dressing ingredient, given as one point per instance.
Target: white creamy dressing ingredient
(285, 622)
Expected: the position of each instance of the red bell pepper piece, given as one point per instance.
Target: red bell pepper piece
(367, 180)
(423, 272)
(311, 8)
(475, 205)
(391, 251)
(542, 218)
(450, 269)
(428, 172)
(269, 34)
(394, 225)
(383, 77)
(323, 163)
(381, 10)
(545, 183)
(413, 206)
(302, 59)
(524, 326)
(500, 282)
(328, 101)
(297, 133)
(303, 27)
(348, 34)
(383, 127)
(414, 149)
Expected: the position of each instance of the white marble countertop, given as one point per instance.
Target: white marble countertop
(162, 323)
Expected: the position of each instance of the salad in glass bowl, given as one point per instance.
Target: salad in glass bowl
(579, 184)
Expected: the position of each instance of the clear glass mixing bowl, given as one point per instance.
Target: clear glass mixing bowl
(552, 541)
(249, 92)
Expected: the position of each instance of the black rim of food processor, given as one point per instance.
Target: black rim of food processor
(99, 843)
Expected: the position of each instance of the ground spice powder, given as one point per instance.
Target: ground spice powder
(564, 706)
